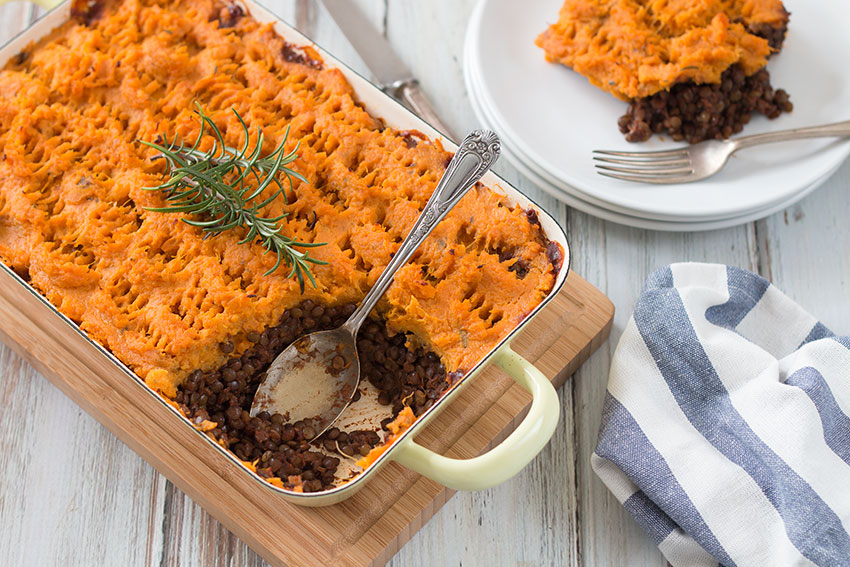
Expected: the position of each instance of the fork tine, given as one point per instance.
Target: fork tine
(647, 172)
(681, 152)
(644, 162)
(645, 179)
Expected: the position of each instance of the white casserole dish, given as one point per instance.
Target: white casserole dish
(494, 467)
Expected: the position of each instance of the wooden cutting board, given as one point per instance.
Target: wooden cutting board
(368, 528)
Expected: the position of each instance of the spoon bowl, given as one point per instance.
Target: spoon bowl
(317, 376)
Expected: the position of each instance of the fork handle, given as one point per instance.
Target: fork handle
(825, 131)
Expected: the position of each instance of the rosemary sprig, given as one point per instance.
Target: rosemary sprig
(221, 186)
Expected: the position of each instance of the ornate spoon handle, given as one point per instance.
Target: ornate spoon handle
(476, 154)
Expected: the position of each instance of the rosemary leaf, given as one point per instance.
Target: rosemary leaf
(220, 186)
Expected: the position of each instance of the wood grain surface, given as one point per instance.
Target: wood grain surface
(72, 495)
(368, 528)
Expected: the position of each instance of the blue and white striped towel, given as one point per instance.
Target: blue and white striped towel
(725, 430)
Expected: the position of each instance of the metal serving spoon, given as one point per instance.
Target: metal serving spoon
(317, 376)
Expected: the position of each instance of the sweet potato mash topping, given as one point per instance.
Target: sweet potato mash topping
(397, 426)
(636, 48)
(167, 301)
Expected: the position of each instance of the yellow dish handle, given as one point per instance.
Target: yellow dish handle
(46, 4)
(511, 455)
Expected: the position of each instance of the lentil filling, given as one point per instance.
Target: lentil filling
(218, 401)
(694, 113)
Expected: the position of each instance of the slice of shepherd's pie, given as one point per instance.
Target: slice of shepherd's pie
(692, 68)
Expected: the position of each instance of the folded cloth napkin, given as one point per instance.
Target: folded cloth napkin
(725, 428)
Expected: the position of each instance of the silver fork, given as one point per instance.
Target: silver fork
(700, 160)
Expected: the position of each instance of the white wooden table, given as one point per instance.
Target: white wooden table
(72, 495)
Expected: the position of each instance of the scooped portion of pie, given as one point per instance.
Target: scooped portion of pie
(692, 68)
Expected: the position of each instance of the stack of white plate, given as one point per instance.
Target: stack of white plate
(550, 119)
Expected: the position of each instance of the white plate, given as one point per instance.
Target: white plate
(640, 222)
(591, 205)
(555, 117)
(473, 85)
(527, 168)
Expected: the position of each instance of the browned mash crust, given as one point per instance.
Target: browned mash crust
(636, 48)
(150, 287)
